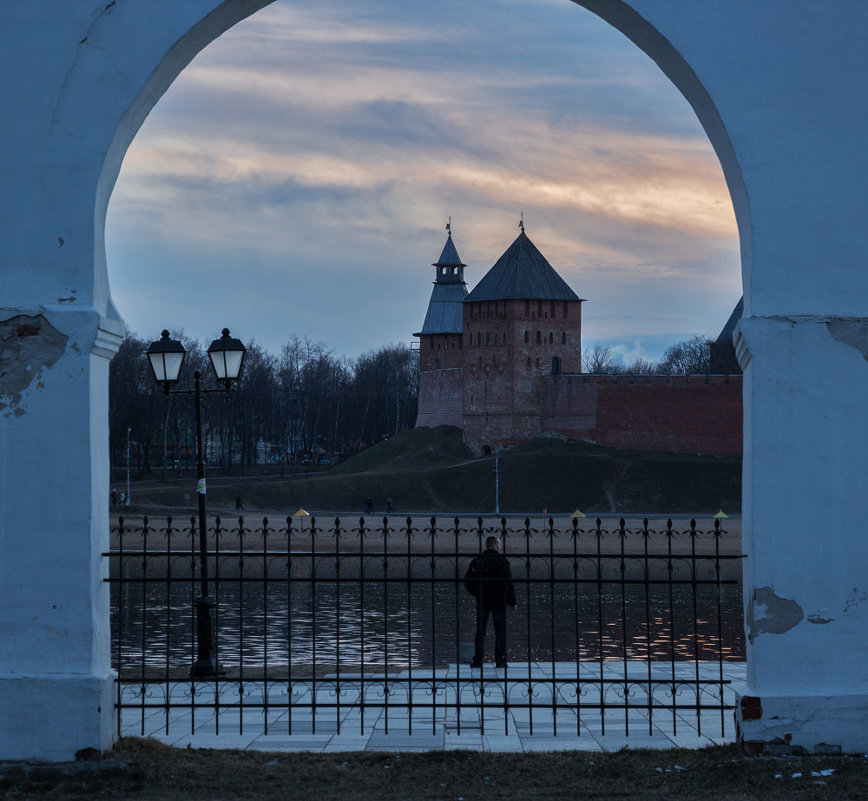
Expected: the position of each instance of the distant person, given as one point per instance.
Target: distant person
(489, 580)
(389, 506)
(239, 507)
(369, 506)
(123, 498)
(114, 497)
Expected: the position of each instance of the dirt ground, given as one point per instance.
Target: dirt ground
(141, 770)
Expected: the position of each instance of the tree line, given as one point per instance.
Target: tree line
(303, 405)
(689, 357)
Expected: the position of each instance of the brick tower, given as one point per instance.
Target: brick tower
(441, 356)
(522, 322)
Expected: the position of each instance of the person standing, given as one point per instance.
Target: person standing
(489, 580)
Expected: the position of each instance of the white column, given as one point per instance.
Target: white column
(56, 684)
(805, 485)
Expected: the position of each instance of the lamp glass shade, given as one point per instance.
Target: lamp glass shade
(166, 357)
(227, 357)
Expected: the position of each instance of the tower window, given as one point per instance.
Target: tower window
(538, 337)
(526, 337)
(564, 338)
(527, 308)
(537, 361)
(551, 338)
(432, 343)
(436, 364)
(528, 362)
(539, 308)
(551, 308)
(556, 365)
(487, 338)
(565, 310)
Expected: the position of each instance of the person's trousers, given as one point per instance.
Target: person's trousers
(498, 616)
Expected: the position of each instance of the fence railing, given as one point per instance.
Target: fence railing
(319, 621)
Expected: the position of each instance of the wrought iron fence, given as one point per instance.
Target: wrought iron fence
(315, 622)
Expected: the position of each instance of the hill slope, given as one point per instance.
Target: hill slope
(432, 471)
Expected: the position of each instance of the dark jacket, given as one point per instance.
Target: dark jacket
(489, 579)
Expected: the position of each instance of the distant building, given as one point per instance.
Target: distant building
(503, 363)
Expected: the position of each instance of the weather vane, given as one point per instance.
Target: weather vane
(521, 222)
(449, 226)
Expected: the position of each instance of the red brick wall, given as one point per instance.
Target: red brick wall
(440, 352)
(440, 398)
(503, 373)
(678, 414)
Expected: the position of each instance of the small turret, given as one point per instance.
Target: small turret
(441, 355)
(444, 314)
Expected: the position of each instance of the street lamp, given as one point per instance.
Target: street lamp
(166, 357)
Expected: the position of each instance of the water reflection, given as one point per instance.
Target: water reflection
(421, 623)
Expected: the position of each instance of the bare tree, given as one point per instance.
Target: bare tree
(688, 357)
(599, 359)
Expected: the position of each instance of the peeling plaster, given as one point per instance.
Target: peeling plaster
(852, 333)
(780, 614)
(28, 344)
(856, 599)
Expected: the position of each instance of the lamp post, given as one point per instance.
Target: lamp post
(128, 467)
(496, 475)
(167, 356)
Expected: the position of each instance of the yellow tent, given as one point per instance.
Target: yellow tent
(577, 513)
(721, 515)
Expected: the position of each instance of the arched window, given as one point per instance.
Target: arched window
(556, 365)
(527, 308)
(436, 364)
(537, 361)
(526, 337)
(564, 338)
(551, 309)
(487, 337)
(551, 338)
(565, 310)
(528, 362)
(539, 337)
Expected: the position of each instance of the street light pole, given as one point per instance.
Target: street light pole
(227, 358)
(128, 466)
(205, 665)
(496, 475)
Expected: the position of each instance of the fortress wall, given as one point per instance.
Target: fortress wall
(440, 398)
(677, 414)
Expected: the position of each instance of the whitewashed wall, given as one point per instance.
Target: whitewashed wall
(780, 89)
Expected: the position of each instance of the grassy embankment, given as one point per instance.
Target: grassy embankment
(428, 471)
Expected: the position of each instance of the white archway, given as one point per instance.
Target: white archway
(788, 134)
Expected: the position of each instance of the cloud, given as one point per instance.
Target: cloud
(326, 147)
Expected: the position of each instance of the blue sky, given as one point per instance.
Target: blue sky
(298, 175)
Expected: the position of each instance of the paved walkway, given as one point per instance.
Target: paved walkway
(504, 715)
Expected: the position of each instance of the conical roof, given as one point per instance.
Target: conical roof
(522, 273)
(449, 256)
(445, 312)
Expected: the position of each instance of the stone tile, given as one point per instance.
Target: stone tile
(558, 744)
(217, 741)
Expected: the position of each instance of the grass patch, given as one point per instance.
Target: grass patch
(430, 471)
(144, 769)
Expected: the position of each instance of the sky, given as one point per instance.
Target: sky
(297, 177)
